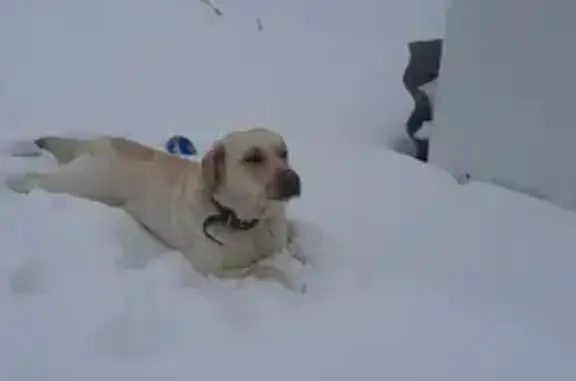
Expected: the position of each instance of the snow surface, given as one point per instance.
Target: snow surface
(412, 276)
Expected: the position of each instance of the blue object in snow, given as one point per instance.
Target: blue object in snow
(180, 145)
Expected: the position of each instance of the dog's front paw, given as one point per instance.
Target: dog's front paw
(295, 250)
(303, 288)
(284, 268)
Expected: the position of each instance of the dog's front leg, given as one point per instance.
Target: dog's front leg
(283, 268)
(284, 234)
(293, 246)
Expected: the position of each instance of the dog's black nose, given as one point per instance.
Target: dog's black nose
(289, 184)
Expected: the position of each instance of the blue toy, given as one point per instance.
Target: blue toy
(180, 145)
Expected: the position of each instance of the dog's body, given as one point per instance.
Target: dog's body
(226, 214)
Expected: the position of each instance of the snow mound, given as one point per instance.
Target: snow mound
(413, 276)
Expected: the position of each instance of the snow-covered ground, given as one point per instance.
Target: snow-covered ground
(413, 277)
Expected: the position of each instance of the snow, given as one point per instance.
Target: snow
(412, 276)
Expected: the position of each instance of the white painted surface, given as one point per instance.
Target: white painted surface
(506, 99)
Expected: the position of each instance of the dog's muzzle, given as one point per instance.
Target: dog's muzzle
(289, 184)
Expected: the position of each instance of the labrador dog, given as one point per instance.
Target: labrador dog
(226, 214)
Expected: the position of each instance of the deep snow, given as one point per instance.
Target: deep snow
(412, 276)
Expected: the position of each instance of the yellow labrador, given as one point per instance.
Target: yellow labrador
(226, 214)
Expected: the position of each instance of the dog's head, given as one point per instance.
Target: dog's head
(247, 170)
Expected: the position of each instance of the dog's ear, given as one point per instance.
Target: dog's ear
(213, 166)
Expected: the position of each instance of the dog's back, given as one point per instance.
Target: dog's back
(144, 181)
(65, 150)
(115, 170)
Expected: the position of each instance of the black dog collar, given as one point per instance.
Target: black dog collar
(227, 217)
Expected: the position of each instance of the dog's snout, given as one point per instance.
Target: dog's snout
(289, 184)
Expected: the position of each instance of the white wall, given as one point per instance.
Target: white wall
(507, 96)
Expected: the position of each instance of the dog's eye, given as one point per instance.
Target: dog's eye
(283, 155)
(254, 158)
